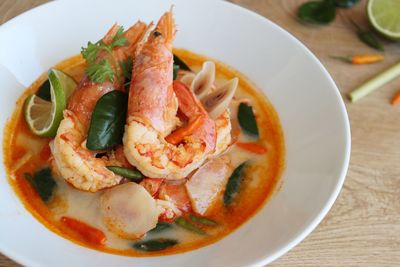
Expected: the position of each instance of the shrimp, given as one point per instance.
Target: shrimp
(174, 191)
(75, 163)
(154, 140)
(171, 196)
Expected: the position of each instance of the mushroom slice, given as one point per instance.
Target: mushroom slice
(188, 78)
(128, 210)
(204, 80)
(218, 101)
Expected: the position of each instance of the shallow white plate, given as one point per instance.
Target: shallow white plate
(312, 113)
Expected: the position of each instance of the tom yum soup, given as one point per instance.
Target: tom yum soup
(135, 149)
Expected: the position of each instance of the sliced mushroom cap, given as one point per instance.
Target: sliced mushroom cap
(204, 80)
(128, 210)
(218, 101)
(188, 78)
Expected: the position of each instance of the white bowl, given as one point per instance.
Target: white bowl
(311, 111)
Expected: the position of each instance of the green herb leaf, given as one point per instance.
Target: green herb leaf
(318, 12)
(345, 3)
(368, 37)
(127, 85)
(29, 177)
(247, 120)
(44, 91)
(90, 52)
(119, 39)
(234, 183)
(126, 67)
(202, 220)
(175, 71)
(182, 222)
(108, 121)
(100, 72)
(155, 244)
(43, 182)
(343, 58)
(160, 227)
(182, 65)
(133, 175)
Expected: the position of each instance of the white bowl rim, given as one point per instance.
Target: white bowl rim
(334, 195)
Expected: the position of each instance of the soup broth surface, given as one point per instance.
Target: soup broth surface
(261, 175)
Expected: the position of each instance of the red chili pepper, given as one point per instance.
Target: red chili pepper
(396, 99)
(362, 59)
(87, 232)
(45, 153)
(252, 147)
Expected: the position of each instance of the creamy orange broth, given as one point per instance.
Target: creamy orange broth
(261, 176)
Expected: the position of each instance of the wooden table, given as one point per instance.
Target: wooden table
(363, 227)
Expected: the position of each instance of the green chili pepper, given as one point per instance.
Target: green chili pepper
(160, 227)
(155, 244)
(202, 220)
(182, 222)
(133, 175)
(367, 37)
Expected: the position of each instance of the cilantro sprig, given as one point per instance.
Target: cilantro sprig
(119, 39)
(101, 71)
(126, 68)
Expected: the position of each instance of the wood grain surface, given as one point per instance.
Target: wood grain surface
(363, 227)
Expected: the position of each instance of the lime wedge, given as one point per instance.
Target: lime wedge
(44, 117)
(384, 15)
(61, 81)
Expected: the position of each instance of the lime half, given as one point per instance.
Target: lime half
(384, 15)
(44, 117)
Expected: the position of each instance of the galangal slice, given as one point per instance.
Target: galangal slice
(208, 183)
(129, 210)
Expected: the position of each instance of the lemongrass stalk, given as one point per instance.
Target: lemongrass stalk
(21, 161)
(375, 83)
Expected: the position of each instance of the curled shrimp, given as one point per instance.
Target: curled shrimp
(154, 140)
(75, 163)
